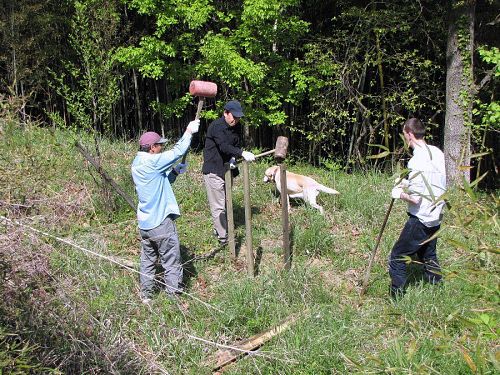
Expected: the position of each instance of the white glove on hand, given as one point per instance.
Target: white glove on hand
(181, 168)
(403, 183)
(396, 192)
(248, 156)
(193, 126)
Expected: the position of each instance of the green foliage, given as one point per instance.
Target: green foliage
(491, 56)
(345, 90)
(18, 356)
(222, 60)
(489, 112)
(90, 86)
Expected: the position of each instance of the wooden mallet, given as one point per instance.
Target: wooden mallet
(201, 89)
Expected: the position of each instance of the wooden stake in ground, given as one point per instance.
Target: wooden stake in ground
(229, 211)
(248, 220)
(287, 255)
(224, 357)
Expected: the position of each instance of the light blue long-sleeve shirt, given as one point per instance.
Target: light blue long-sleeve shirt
(152, 175)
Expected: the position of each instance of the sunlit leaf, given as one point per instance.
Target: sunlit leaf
(455, 243)
(478, 155)
(378, 156)
(379, 146)
(435, 235)
(469, 361)
(477, 180)
(468, 189)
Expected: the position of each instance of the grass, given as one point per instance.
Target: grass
(85, 316)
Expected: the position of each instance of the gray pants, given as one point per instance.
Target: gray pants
(217, 200)
(162, 241)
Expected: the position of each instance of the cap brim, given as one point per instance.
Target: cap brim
(237, 113)
(162, 140)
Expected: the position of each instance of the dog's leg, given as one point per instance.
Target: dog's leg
(310, 197)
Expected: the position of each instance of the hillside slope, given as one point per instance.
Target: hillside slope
(69, 255)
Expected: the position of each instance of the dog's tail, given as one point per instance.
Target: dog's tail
(326, 189)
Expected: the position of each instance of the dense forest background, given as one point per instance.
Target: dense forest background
(338, 77)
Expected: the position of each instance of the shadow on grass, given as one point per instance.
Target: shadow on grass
(190, 271)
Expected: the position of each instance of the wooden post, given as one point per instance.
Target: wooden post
(287, 256)
(229, 211)
(248, 220)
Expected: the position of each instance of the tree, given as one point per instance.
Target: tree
(459, 90)
(90, 84)
(32, 38)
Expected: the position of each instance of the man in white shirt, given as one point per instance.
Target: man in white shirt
(422, 190)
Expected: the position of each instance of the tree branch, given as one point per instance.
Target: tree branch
(104, 175)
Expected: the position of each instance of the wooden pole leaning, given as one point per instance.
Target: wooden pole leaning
(248, 220)
(229, 211)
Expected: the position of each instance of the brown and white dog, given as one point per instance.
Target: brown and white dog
(298, 186)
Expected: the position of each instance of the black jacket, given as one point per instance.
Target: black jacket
(221, 144)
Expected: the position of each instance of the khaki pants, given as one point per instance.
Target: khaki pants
(217, 200)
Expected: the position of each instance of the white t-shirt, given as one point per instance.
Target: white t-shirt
(427, 182)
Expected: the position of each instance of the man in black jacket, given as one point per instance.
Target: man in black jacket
(221, 144)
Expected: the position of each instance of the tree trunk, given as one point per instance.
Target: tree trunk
(459, 90)
(137, 101)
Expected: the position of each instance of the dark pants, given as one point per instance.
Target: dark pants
(410, 244)
(162, 242)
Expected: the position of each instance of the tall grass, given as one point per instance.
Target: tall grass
(85, 313)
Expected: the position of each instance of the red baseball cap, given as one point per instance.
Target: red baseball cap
(151, 138)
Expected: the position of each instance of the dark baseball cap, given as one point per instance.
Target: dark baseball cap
(234, 107)
(151, 138)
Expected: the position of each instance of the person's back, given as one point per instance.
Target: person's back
(427, 180)
(425, 185)
(156, 198)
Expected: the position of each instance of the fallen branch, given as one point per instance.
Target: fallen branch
(224, 357)
(104, 175)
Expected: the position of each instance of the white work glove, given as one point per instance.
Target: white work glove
(403, 183)
(248, 156)
(396, 192)
(193, 126)
(181, 168)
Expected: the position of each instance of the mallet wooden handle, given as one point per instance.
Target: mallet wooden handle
(265, 153)
(201, 101)
(259, 155)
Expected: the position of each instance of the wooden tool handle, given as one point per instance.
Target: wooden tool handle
(201, 101)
